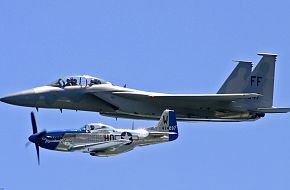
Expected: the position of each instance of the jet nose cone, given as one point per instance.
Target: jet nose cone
(3, 99)
(7, 99)
(33, 138)
(22, 98)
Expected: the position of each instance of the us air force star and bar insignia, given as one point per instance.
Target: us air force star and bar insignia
(127, 136)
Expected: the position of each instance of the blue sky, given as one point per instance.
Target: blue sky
(164, 46)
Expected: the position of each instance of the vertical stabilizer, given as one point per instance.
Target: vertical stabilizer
(261, 80)
(237, 81)
(167, 123)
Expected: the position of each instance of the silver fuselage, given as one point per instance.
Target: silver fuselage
(101, 142)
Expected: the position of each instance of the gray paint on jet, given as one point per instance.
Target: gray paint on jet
(237, 100)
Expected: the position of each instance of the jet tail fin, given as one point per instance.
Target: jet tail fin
(261, 80)
(167, 123)
(237, 81)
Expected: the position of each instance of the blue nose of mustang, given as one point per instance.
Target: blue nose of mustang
(33, 138)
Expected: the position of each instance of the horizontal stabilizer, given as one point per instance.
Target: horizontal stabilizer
(273, 110)
(159, 133)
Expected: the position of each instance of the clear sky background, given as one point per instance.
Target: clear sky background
(154, 45)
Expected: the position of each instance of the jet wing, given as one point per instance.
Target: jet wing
(100, 145)
(186, 97)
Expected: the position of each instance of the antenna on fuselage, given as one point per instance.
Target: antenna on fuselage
(133, 125)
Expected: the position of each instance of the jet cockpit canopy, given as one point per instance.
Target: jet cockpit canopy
(96, 127)
(82, 80)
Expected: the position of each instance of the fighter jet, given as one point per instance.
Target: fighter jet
(99, 139)
(246, 95)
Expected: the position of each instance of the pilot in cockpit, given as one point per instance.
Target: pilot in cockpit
(71, 82)
(60, 83)
(78, 81)
(95, 81)
(74, 82)
(93, 128)
(86, 129)
(68, 82)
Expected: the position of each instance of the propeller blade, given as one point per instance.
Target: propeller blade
(33, 122)
(37, 152)
(27, 144)
(39, 135)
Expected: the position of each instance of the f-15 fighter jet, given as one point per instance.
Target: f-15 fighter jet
(99, 139)
(245, 95)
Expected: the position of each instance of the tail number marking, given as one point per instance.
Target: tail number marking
(256, 80)
(170, 128)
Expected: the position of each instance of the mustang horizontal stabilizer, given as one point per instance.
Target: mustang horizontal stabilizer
(158, 134)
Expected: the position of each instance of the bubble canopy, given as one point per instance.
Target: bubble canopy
(96, 126)
(78, 80)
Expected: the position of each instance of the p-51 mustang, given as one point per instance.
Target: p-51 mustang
(102, 140)
(245, 95)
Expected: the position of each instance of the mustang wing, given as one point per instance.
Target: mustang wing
(100, 145)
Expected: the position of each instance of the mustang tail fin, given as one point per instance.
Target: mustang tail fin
(167, 123)
(261, 80)
(237, 81)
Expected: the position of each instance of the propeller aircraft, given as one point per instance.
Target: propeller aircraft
(99, 139)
